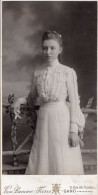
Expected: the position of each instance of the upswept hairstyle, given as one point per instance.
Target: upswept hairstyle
(52, 35)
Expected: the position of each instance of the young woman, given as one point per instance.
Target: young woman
(56, 148)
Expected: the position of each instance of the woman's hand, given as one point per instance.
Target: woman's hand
(15, 106)
(73, 139)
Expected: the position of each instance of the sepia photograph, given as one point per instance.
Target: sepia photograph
(49, 88)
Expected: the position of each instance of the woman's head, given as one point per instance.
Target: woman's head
(51, 45)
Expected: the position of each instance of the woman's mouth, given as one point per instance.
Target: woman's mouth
(49, 56)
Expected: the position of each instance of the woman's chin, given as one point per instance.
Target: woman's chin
(49, 59)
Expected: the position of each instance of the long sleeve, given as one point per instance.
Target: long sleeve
(32, 97)
(31, 101)
(77, 117)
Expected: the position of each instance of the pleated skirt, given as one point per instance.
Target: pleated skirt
(50, 153)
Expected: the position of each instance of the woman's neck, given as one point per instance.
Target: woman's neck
(52, 63)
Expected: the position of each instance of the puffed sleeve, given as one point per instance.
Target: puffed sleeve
(76, 116)
(32, 97)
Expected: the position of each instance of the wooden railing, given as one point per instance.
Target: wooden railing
(25, 117)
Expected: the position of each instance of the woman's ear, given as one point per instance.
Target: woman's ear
(61, 49)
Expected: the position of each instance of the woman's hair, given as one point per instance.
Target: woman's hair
(52, 35)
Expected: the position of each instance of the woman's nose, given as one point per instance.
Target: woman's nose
(48, 51)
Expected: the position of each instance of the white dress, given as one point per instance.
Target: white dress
(51, 153)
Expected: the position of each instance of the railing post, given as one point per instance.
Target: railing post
(14, 137)
(14, 122)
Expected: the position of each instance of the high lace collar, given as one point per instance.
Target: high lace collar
(55, 65)
(52, 65)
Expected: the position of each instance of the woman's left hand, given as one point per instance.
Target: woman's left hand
(73, 139)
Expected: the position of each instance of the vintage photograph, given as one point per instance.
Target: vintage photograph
(49, 87)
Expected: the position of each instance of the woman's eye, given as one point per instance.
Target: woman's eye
(52, 48)
(46, 48)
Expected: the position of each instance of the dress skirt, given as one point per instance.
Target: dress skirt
(51, 153)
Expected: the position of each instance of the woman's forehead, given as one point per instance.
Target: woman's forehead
(50, 42)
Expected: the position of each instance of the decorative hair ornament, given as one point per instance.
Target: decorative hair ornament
(55, 33)
(50, 34)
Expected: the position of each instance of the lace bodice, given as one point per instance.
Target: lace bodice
(56, 83)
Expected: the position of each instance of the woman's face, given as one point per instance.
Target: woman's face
(51, 49)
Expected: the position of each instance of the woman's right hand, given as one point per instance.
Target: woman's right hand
(15, 107)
